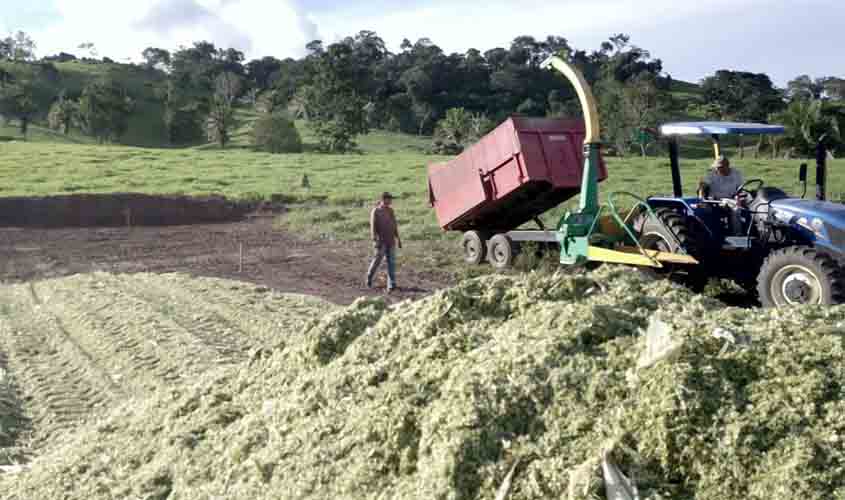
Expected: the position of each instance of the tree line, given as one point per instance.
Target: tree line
(347, 88)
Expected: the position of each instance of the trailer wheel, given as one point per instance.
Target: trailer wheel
(501, 251)
(474, 247)
(664, 236)
(800, 275)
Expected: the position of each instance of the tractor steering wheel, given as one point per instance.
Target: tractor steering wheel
(750, 193)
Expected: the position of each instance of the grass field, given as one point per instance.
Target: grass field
(341, 186)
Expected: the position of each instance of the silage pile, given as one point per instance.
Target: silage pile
(547, 378)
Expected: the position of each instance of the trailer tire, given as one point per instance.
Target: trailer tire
(654, 236)
(800, 275)
(474, 247)
(501, 252)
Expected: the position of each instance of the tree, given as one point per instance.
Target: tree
(17, 101)
(276, 133)
(47, 71)
(191, 107)
(286, 81)
(615, 130)
(808, 123)
(314, 47)
(252, 96)
(62, 114)
(458, 129)
(260, 72)
(17, 47)
(182, 116)
(332, 102)
(337, 117)
(104, 110)
(455, 127)
(156, 58)
(6, 78)
(61, 57)
(644, 105)
(229, 61)
(227, 87)
(480, 126)
(628, 90)
(834, 88)
(805, 88)
(741, 95)
(89, 48)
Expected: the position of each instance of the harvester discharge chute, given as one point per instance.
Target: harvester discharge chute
(586, 234)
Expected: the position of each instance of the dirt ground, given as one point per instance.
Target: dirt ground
(271, 257)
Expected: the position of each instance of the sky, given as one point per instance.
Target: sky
(694, 38)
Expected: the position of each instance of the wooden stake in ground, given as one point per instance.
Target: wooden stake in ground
(240, 257)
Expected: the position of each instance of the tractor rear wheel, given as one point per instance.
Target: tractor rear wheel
(665, 235)
(800, 275)
(474, 247)
(501, 251)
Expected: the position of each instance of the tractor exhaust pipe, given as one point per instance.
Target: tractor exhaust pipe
(821, 172)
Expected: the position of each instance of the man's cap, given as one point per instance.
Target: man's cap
(721, 160)
(386, 196)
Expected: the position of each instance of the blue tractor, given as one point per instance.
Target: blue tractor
(787, 249)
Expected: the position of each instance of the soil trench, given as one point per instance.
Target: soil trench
(119, 209)
(251, 250)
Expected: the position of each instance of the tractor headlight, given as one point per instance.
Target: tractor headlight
(816, 226)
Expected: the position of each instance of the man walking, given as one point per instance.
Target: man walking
(385, 234)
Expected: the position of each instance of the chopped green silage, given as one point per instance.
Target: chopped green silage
(439, 398)
(74, 348)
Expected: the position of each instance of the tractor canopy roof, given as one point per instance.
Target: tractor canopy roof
(719, 128)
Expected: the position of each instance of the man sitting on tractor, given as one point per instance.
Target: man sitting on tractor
(722, 181)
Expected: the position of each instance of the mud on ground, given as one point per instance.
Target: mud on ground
(271, 257)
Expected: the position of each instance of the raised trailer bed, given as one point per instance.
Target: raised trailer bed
(523, 168)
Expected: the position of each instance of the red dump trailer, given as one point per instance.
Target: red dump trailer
(515, 173)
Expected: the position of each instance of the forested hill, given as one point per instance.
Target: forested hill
(50, 81)
(347, 88)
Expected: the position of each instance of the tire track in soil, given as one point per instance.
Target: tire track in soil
(145, 348)
(59, 382)
(14, 425)
(210, 329)
(249, 311)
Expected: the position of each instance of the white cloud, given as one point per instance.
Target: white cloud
(694, 38)
(122, 30)
(458, 25)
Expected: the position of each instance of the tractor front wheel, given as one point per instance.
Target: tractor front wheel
(501, 252)
(800, 275)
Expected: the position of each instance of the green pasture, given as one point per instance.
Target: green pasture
(340, 190)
